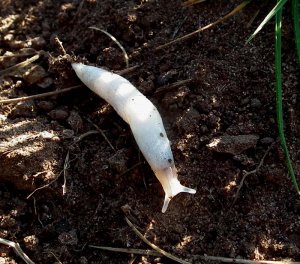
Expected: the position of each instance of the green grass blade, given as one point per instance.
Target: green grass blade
(279, 111)
(274, 11)
(295, 12)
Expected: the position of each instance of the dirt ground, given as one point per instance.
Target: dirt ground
(88, 186)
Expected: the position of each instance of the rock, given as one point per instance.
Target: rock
(34, 74)
(68, 238)
(255, 103)
(243, 159)
(30, 153)
(175, 97)
(203, 106)
(75, 121)
(31, 242)
(45, 105)
(23, 109)
(37, 42)
(6, 62)
(45, 82)
(118, 161)
(233, 144)
(267, 141)
(166, 77)
(189, 121)
(59, 114)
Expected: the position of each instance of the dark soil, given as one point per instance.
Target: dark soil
(230, 98)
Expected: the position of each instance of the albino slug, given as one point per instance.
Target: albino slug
(144, 120)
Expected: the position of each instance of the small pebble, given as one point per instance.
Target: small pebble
(118, 161)
(45, 82)
(23, 109)
(45, 105)
(267, 141)
(59, 114)
(68, 238)
(75, 121)
(255, 103)
(34, 74)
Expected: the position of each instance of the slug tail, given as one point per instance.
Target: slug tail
(171, 185)
(166, 203)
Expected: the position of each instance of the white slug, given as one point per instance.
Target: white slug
(144, 120)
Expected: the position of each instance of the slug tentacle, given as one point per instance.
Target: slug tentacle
(144, 120)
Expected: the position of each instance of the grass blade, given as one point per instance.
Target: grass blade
(295, 12)
(279, 111)
(273, 12)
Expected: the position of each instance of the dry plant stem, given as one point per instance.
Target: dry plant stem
(38, 96)
(18, 55)
(55, 257)
(16, 247)
(205, 257)
(246, 173)
(230, 14)
(131, 168)
(60, 46)
(42, 187)
(66, 167)
(43, 95)
(167, 88)
(192, 2)
(102, 133)
(19, 65)
(126, 58)
(164, 253)
(81, 137)
(130, 250)
(245, 261)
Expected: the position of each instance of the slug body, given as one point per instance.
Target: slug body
(144, 120)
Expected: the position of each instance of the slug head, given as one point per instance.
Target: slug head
(171, 185)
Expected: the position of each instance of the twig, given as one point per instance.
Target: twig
(127, 70)
(131, 168)
(192, 2)
(205, 257)
(19, 65)
(42, 187)
(230, 14)
(246, 261)
(172, 86)
(36, 212)
(116, 41)
(17, 55)
(179, 27)
(102, 133)
(164, 253)
(79, 9)
(130, 250)
(17, 249)
(247, 173)
(57, 259)
(37, 96)
(81, 137)
(66, 167)
(60, 46)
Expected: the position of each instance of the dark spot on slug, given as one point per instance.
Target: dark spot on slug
(161, 134)
(132, 99)
(170, 160)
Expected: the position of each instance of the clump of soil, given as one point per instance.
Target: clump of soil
(64, 186)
